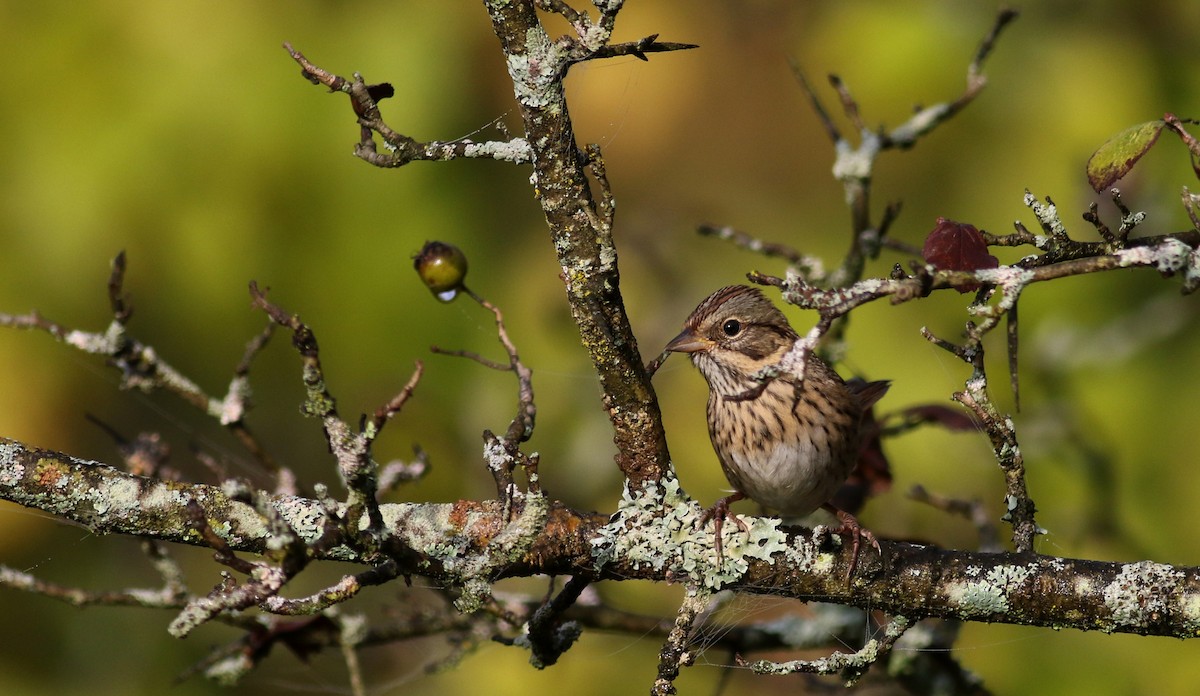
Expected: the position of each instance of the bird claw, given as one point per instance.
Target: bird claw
(857, 533)
(718, 513)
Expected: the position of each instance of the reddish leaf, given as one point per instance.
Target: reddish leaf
(1116, 157)
(949, 418)
(957, 246)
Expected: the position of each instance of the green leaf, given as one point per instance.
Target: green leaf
(1116, 157)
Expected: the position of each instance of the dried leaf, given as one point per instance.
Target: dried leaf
(1116, 157)
(957, 246)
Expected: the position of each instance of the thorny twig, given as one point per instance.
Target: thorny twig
(638, 49)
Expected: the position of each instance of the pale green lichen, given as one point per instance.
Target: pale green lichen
(989, 594)
(228, 671)
(1046, 214)
(474, 596)
(808, 558)
(977, 599)
(662, 533)
(1191, 277)
(354, 628)
(304, 518)
(1010, 577)
(1169, 256)
(121, 494)
(535, 72)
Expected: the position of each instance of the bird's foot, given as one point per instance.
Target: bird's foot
(857, 533)
(718, 513)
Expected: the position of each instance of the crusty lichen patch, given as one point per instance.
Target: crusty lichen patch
(663, 533)
(443, 534)
(1142, 594)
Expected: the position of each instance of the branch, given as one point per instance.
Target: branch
(909, 580)
(1169, 256)
(580, 231)
(402, 148)
(358, 470)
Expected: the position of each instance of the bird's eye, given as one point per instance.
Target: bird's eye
(732, 327)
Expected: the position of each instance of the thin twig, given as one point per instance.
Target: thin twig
(822, 115)
(973, 510)
(675, 653)
(850, 667)
(389, 410)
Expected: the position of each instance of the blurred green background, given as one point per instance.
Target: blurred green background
(183, 134)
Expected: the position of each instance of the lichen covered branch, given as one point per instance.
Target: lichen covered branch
(402, 149)
(579, 228)
(453, 541)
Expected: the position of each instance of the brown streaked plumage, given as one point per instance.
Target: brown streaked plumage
(785, 444)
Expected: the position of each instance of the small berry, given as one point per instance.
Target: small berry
(442, 268)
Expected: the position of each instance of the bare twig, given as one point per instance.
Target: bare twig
(142, 368)
(830, 127)
(745, 241)
(575, 17)
(395, 473)
(854, 166)
(549, 635)
(166, 597)
(389, 410)
(121, 309)
(521, 427)
(352, 451)
(927, 119)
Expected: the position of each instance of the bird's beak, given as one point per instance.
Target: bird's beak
(688, 342)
